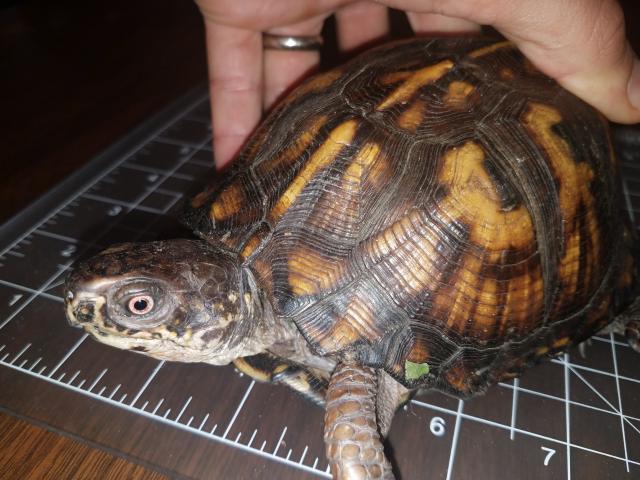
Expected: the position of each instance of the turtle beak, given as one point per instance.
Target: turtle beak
(78, 312)
(80, 305)
(69, 307)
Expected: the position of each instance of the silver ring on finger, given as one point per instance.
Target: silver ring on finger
(291, 42)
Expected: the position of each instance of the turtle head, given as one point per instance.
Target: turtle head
(179, 300)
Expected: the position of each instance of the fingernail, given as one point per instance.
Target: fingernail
(634, 84)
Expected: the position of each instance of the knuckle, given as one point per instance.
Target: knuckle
(483, 11)
(233, 84)
(609, 30)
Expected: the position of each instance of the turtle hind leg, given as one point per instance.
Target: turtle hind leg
(352, 440)
(629, 322)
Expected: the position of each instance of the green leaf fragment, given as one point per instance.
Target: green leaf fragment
(415, 371)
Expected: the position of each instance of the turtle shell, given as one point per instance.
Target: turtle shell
(436, 202)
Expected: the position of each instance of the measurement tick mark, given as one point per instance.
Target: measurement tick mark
(235, 415)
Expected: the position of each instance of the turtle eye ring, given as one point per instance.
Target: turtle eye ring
(140, 304)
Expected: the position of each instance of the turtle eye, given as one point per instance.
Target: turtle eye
(140, 304)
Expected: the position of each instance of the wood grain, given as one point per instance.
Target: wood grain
(31, 452)
(77, 76)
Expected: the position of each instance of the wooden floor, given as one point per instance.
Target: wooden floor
(31, 452)
(76, 77)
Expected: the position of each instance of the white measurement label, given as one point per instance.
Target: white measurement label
(436, 425)
(550, 452)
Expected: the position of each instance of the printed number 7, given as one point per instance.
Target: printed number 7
(550, 452)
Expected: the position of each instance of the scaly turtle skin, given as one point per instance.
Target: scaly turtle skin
(437, 214)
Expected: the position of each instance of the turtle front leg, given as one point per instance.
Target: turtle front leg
(352, 439)
(266, 367)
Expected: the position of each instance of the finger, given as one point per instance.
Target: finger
(283, 68)
(235, 85)
(360, 23)
(588, 54)
(592, 59)
(434, 23)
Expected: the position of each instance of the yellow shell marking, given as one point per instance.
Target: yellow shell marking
(317, 83)
(373, 165)
(469, 290)
(229, 202)
(250, 246)
(574, 177)
(419, 78)
(406, 239)
(601, 312)
(361, 317)
(524, 293)
(354, 175)
(395, 77)
(412, 116)
(473, 198)
(293, 152)
(561, 342)
(340, 136)
(481, 52)
(342, 335)
(542, 351)
(506, 74)
(310, 273)
(356, 324)
(458, 94)
(202, 197)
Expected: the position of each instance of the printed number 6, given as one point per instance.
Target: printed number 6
(437, 426)
(550, 452)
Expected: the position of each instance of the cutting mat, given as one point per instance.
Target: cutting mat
(572, 417)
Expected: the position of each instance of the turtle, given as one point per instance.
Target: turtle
(435, 214)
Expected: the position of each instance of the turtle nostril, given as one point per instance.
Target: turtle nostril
(84, 312)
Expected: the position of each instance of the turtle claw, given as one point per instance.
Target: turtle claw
(582, 348)
(632, 333)
(629, 323)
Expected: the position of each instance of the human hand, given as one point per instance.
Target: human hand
(588, 54)
(244, 79)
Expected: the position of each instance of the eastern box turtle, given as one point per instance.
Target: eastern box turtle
(436, 214)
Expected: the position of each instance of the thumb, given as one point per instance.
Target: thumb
(588, 55)
(580, 43)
